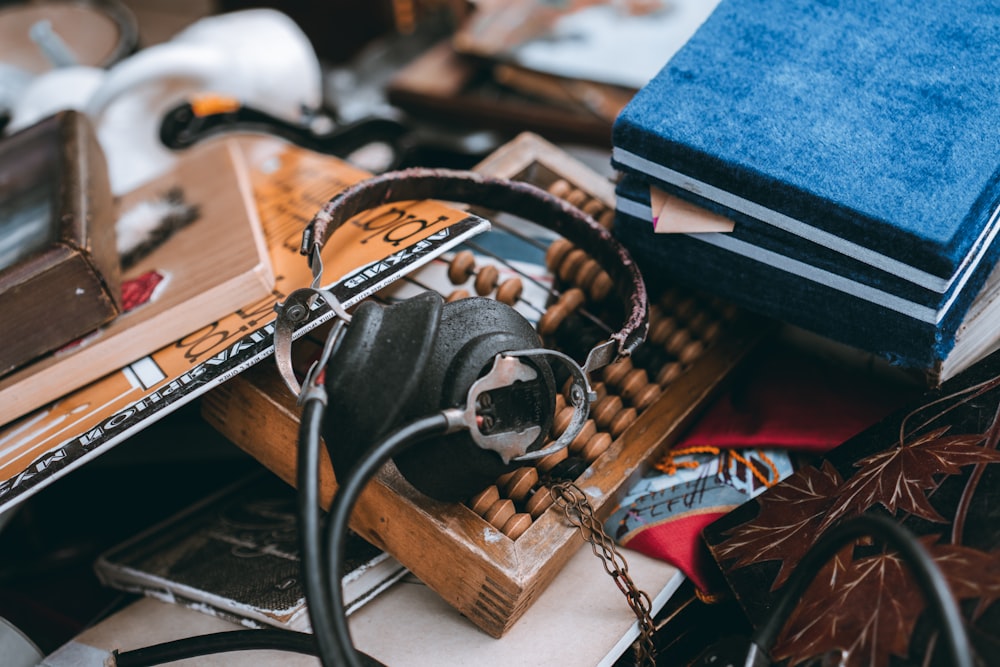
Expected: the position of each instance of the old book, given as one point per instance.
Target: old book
(934, 467)
(236, 554)
(290, 185)
(854, 147)
(208, 269)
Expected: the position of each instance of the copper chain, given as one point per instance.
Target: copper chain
(575, 504)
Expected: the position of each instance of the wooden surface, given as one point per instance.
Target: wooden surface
(489, 576)
(211, 268)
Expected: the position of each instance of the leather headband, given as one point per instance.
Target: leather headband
(515, 197)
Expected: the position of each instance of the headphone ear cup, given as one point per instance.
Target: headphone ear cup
(471, 333)
(374, 371)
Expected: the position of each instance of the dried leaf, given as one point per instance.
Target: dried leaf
(787, 524)
(971, 573)
(866, 607)
(898, 478)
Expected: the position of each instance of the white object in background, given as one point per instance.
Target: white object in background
(258, 56)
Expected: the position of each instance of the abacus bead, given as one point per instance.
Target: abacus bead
(647, 396)
(560, 188)
(614, 373)
(577, 197)
(595, 447)
(691, 351)
(555, 253)
(539, 501)
(461, 267)
(547, 462)
(510, 291)
(484, 499)
(562, 419)
(520, 483)
(560, 402)
(572, 298)
(606, 409)
(587, 431)
(594, 208)
(675, 344)
(587, 273)
(499, 512)
(570, 263)
(601, 287)
(607, 219)
(487, 279)
(669, 372)
(633, 383)
(457, 295)
(551, 319)
(516, 525)
(622, 421)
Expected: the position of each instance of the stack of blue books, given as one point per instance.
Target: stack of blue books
(856, 147)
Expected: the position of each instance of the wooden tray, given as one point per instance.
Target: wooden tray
(488, 571)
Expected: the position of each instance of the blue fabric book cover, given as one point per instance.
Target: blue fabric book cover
(858, 141)
(870, 125)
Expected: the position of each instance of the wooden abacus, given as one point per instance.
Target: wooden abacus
(492, 555)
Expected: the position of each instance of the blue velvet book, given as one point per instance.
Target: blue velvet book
(859, 138)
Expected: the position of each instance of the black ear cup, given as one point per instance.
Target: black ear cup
(417, 357)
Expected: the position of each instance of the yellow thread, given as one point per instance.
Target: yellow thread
(669, 466)
(753, 469)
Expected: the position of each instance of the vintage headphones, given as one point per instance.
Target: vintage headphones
(478, 359)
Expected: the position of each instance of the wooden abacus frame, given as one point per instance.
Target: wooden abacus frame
(491, 557)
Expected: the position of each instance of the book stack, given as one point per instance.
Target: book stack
(856, 148)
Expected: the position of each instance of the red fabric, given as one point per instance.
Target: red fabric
(678, 541)
(786, 398)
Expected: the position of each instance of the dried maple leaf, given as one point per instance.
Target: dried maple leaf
(971, 573)
(787, 524)
(898, 478)
(865, 607)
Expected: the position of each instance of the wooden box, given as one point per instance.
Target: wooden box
(471, 553)
(59, 270)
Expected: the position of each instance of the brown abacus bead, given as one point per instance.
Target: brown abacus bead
(669, 372)
(560, 402)
(636, 380)
(539, 501)
(560, 188)
(555, 253)
(587, 431)
(595, 447)
(562, 420)
(587, 273)
(670, 298)
(647, 396)
(622, 421)
(594, 208)
(577, 197)
(461, 267)
(677, 341)
(487, 279)
(557, 313)
(607, 219)
(457, 295)
(520, 482)
(691, 352)
(600, 391)
(614, 373)
(606, 409)
(687, 308)
(510, 291)
(573, 260)
(516, 525)
(499, 512)
(548, 462)
(661, 329)
(705, 326)
(483, 500)
(601, 286)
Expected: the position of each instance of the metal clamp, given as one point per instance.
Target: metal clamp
(293, 312)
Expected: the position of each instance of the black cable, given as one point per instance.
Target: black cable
(929, 578)
(219, 642)
(348, 491)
